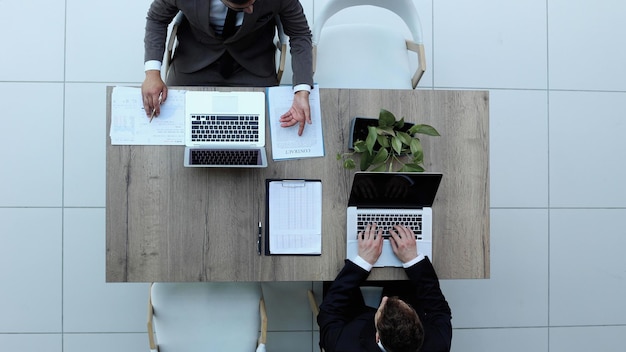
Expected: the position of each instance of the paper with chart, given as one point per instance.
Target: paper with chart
(295, 217)
(130, 126)
(286, 144)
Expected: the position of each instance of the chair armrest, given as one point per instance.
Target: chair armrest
(263, 315)
(421, 61)
(281, 44)
(281, 64)
(314, 307)
(151, 338)
(169, 49)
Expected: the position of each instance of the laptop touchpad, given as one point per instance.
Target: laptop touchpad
(227, 104)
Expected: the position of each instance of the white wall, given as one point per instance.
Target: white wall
(555, 72)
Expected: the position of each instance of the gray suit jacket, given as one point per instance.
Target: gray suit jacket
(251, 46)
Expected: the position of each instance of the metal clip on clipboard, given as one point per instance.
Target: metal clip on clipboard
(293, 183)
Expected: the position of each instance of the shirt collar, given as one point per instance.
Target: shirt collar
(381, 346)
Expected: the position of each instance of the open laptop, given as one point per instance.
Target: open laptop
(225, 129)
(388, 198)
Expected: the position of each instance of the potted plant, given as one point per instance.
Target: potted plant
(389, 145)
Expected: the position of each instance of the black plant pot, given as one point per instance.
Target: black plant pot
(359, 131)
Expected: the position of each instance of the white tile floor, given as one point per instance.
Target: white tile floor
(554, 69)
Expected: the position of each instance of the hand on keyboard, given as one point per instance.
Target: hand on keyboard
(370, 243)
(403, 243)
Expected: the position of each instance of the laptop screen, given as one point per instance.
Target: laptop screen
(394, 190)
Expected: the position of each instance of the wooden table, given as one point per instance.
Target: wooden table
(165, 222)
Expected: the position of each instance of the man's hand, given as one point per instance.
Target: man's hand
(370, 243)
(153, 92)
(299, 113)
(403, 243)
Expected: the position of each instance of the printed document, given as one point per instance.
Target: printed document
(286, 144)
(130, 126)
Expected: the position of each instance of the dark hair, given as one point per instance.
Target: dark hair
(239, 2)
(399, 327)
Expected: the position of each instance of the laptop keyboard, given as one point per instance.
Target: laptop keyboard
(224, 157)
(386, 222)
(225, 128)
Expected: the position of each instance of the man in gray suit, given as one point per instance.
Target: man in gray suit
(211, 52)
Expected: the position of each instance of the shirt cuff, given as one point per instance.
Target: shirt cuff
(414, 261)
(299, 87)
(362, 263)
(152, 65)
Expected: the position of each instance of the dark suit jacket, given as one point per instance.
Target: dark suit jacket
(251, 46)
(346, 324)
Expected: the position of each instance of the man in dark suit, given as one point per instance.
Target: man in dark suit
(418, 319)
(212, 52)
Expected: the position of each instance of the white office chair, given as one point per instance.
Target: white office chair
(207, 316)
(367, 55)
(280, 42)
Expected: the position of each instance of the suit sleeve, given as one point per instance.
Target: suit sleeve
(300, 41)
(160, 14)
(338, 307)
(433, 308)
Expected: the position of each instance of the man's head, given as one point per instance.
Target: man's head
(398, 328)
(240, 5)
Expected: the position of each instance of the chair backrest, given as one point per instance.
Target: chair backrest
(208, 316)
(365, 55)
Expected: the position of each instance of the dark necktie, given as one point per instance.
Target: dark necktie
(229, 23)
(226, 61)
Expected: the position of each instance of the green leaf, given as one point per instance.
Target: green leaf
(381, 156)
(423, 129)
(349, 164)
(371, 138)
(366, 160)
(399, 124)
(360, 146)
(379, 168)
(411, 168)
(386, 118)
(405, 138)
(385, 131)
(418, 158)
(383, 141)
(338, 156)
(416, 147)
(396, 143)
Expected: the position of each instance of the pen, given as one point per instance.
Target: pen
(258, 241)
(154, 109)
(153, 113)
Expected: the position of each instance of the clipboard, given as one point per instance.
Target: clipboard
(293, 216)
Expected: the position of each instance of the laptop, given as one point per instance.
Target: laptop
(388, 198)
(225, 129)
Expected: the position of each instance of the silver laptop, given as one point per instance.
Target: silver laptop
(387, 198)
(225, 129)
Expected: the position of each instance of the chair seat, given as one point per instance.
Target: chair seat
(206, 316)
(362, 56)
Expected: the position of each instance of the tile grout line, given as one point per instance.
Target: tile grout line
(63, 178)
(548, 166)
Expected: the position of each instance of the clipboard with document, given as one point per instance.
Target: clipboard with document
(293, 217)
